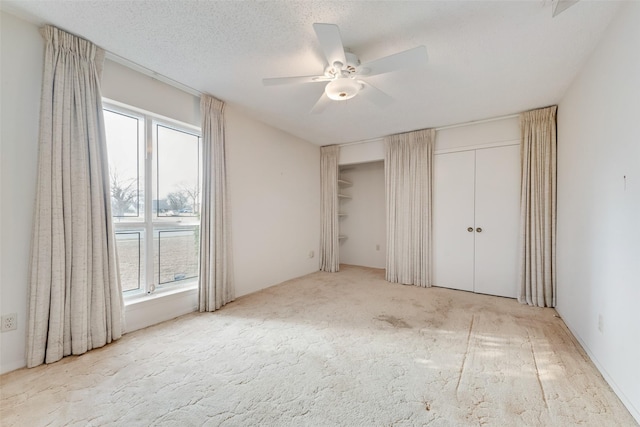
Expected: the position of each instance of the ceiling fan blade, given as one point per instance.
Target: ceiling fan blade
(331, 42)
(374, 95)
(560, 6)
(321, 104)
(412, 58)
(293, 80)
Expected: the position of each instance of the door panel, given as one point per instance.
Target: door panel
(497, 212)
(453, 207)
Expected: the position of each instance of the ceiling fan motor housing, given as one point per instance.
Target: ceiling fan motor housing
(352, 62)
(338, 69)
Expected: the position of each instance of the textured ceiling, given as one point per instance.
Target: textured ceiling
(486, 58)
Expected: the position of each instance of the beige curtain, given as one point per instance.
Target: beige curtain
(329, 227)
(216, 270)
(408, 166)
(75, 297)
(538, 208)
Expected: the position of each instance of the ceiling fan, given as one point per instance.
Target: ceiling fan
(344, 73)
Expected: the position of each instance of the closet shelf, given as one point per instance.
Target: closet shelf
(342, 237)
(344, 196)
(343, 214)
(344, 182)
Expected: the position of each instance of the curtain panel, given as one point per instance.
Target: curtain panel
(75, 296)
(329, 227)
(216, 287)
(538, 208)
(408, 166)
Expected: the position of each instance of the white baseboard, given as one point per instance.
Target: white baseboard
(13, 366)
(635, 412)
(141, 314)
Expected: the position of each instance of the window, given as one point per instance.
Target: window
(155, 173)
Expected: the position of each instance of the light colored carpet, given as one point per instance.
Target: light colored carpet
(327, 349)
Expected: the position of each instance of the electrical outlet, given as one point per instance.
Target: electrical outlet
(9, 322)
(377, 247)
(311, 254)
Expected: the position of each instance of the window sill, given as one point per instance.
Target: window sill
(133, 301)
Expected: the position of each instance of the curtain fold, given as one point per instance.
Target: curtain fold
(408, 166)
(75, 296)
(329, 227)
(216, 287)
(538, 208)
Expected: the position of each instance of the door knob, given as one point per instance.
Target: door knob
(470, 229)
(479, 230)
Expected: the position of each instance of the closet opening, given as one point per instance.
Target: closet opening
(362, 214)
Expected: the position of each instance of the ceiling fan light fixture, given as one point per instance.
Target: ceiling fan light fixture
(342, 89)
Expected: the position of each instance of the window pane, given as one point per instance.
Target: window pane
(162, 169)
(124, 146)
(129, 245)
(177, 172)
(176, 254)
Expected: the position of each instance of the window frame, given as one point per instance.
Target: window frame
(150, 224)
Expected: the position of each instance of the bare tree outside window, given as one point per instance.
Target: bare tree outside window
(178, 201)
(124, 196)
(193, 193)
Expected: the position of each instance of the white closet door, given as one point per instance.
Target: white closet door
(453, 207)
(497, 209)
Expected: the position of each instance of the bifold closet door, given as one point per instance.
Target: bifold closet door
(476, 204)
(453, 213)
(497, 213)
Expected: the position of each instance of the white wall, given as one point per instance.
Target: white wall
(492, 133)
(598, 259)
(22, 63)
(370, 151)
(484, 134)
(130, 87)
(274, 186)
(274, 191)
(365, 223)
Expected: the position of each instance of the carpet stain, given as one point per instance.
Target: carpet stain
(394, 321)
